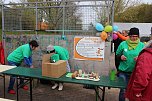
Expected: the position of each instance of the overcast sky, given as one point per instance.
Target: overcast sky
(145, 1)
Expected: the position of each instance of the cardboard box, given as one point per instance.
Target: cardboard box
(54, 70)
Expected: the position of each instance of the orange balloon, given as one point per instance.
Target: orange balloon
(103, 35)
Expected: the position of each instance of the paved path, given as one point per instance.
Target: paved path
(71, 92)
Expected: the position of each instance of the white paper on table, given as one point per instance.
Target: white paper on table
(81, 78)
(5, 67)
(2, 99)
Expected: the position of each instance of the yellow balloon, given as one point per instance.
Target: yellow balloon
(108, 28)
(103, 35)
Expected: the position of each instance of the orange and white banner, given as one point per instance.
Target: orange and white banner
(89, 48)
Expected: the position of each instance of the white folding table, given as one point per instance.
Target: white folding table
(2, 69)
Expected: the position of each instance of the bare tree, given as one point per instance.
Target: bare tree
(2, 1)
(104, 13)
(121, 5)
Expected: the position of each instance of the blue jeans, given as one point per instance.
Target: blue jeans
(126, 77)
(12, 78)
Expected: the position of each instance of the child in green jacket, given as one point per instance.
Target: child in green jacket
(63, 55)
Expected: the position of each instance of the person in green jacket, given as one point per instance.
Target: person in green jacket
(63, 55)
(128, 52)
(22, 53)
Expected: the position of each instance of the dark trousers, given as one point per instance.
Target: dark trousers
(12, 78)
(126, 77)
